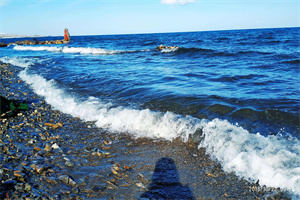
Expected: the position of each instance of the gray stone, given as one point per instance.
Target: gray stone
(69, 164)
(67, 180)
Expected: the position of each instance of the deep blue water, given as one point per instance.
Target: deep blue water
(246, 76)
(247, 79)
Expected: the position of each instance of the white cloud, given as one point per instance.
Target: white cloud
(180, 2)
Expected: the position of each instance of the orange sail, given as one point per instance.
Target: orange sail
(67, 35)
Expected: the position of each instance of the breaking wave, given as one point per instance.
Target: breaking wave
(273, 160)
(20, 62)
(80, 50)
(211, 52)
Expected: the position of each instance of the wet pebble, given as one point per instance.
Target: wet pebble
(67, 180)
(98, 188)
(69, 164)
(39, 168)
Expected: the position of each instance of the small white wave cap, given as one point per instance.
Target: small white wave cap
(17, 61)
(37, 48)
(169, 50)
(80, 50)
(274, 161)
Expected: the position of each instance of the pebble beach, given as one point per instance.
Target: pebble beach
(46, 154)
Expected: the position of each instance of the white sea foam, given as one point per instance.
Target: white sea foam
(37, 48)
(169, 50)
(141, 123)
(18, 61)
(81, 50)
(272, 160)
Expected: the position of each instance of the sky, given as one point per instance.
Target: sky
(104, 17)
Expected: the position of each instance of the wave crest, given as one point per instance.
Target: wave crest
(272, 160)
(80, 50)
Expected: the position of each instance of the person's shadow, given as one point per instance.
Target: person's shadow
(166, 183)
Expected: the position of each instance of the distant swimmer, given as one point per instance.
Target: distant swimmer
(67, 35)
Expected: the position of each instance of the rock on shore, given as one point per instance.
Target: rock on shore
(33, 42)
(3, 44)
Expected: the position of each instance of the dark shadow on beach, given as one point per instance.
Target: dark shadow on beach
(166, 183)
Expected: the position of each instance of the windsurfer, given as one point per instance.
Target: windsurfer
(66, 35)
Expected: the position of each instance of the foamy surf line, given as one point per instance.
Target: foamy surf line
(80, 50)
(20, 62)
(272, 160)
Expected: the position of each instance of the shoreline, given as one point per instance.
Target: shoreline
(79, 160)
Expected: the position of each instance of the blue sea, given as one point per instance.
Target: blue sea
(236, 93)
